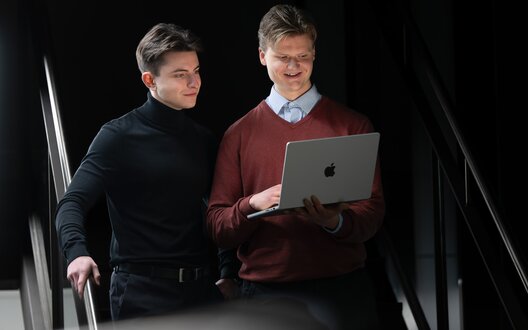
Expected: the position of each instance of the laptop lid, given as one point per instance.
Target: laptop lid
(335, 169)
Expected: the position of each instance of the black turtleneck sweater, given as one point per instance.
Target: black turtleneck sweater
(154, 164)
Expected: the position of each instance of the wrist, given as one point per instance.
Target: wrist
(331, 224)
(337, 227)
(251, 202)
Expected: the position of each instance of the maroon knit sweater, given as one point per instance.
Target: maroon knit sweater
(286, 248)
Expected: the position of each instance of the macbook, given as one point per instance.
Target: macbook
(335, 169)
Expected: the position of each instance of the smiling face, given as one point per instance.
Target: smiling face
(290, 63)
(178, 83)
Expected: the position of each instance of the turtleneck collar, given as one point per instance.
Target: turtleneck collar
(162, 115)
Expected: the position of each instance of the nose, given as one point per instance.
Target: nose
(193, 80)
(293, 62)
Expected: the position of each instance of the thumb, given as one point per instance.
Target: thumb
(342, 207)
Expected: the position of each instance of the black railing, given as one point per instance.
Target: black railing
(415, 62)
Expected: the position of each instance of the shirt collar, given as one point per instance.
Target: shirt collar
(306, 101)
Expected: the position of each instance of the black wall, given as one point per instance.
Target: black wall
(93, 50)
(480, 51)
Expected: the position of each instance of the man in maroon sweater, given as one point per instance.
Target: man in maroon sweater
(317, 253)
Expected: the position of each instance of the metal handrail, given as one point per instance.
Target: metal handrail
(60, 169)
(41, 270)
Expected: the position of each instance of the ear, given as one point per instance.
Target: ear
(148, 80)
(262, 56)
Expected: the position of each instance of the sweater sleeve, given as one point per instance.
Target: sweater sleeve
(226, 215)
(85, 189)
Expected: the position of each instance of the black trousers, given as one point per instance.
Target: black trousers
(133, 296)
(343, 302)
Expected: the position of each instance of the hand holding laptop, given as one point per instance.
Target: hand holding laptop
(323, 215)
(266, 199)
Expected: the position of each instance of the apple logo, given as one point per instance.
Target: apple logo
(329, 170)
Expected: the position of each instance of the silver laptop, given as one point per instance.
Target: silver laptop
(335, 169)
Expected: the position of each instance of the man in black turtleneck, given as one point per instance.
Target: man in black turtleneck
(154, 165)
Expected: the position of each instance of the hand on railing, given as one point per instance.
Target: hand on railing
(79, 270)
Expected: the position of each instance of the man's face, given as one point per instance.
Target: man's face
(178, 82)
(290, 64)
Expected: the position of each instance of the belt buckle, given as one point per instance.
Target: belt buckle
(197, 273)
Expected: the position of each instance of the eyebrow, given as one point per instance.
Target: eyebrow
(184, 70)
(301, 53)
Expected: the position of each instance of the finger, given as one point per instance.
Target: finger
(309, 206)
(315, 200)
(80, 284)
(74, 282)
(96, 275)
(277, 196)
(80, 288)
(317, 205)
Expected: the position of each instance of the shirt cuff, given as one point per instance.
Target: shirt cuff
(336, 228)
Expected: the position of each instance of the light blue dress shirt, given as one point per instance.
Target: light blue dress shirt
(305, 102)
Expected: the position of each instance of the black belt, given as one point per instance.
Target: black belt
(180, 274)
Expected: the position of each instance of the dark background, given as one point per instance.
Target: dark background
(98, 79)
(478, 48)
(94, 47)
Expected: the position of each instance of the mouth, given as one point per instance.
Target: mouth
(292, 75)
